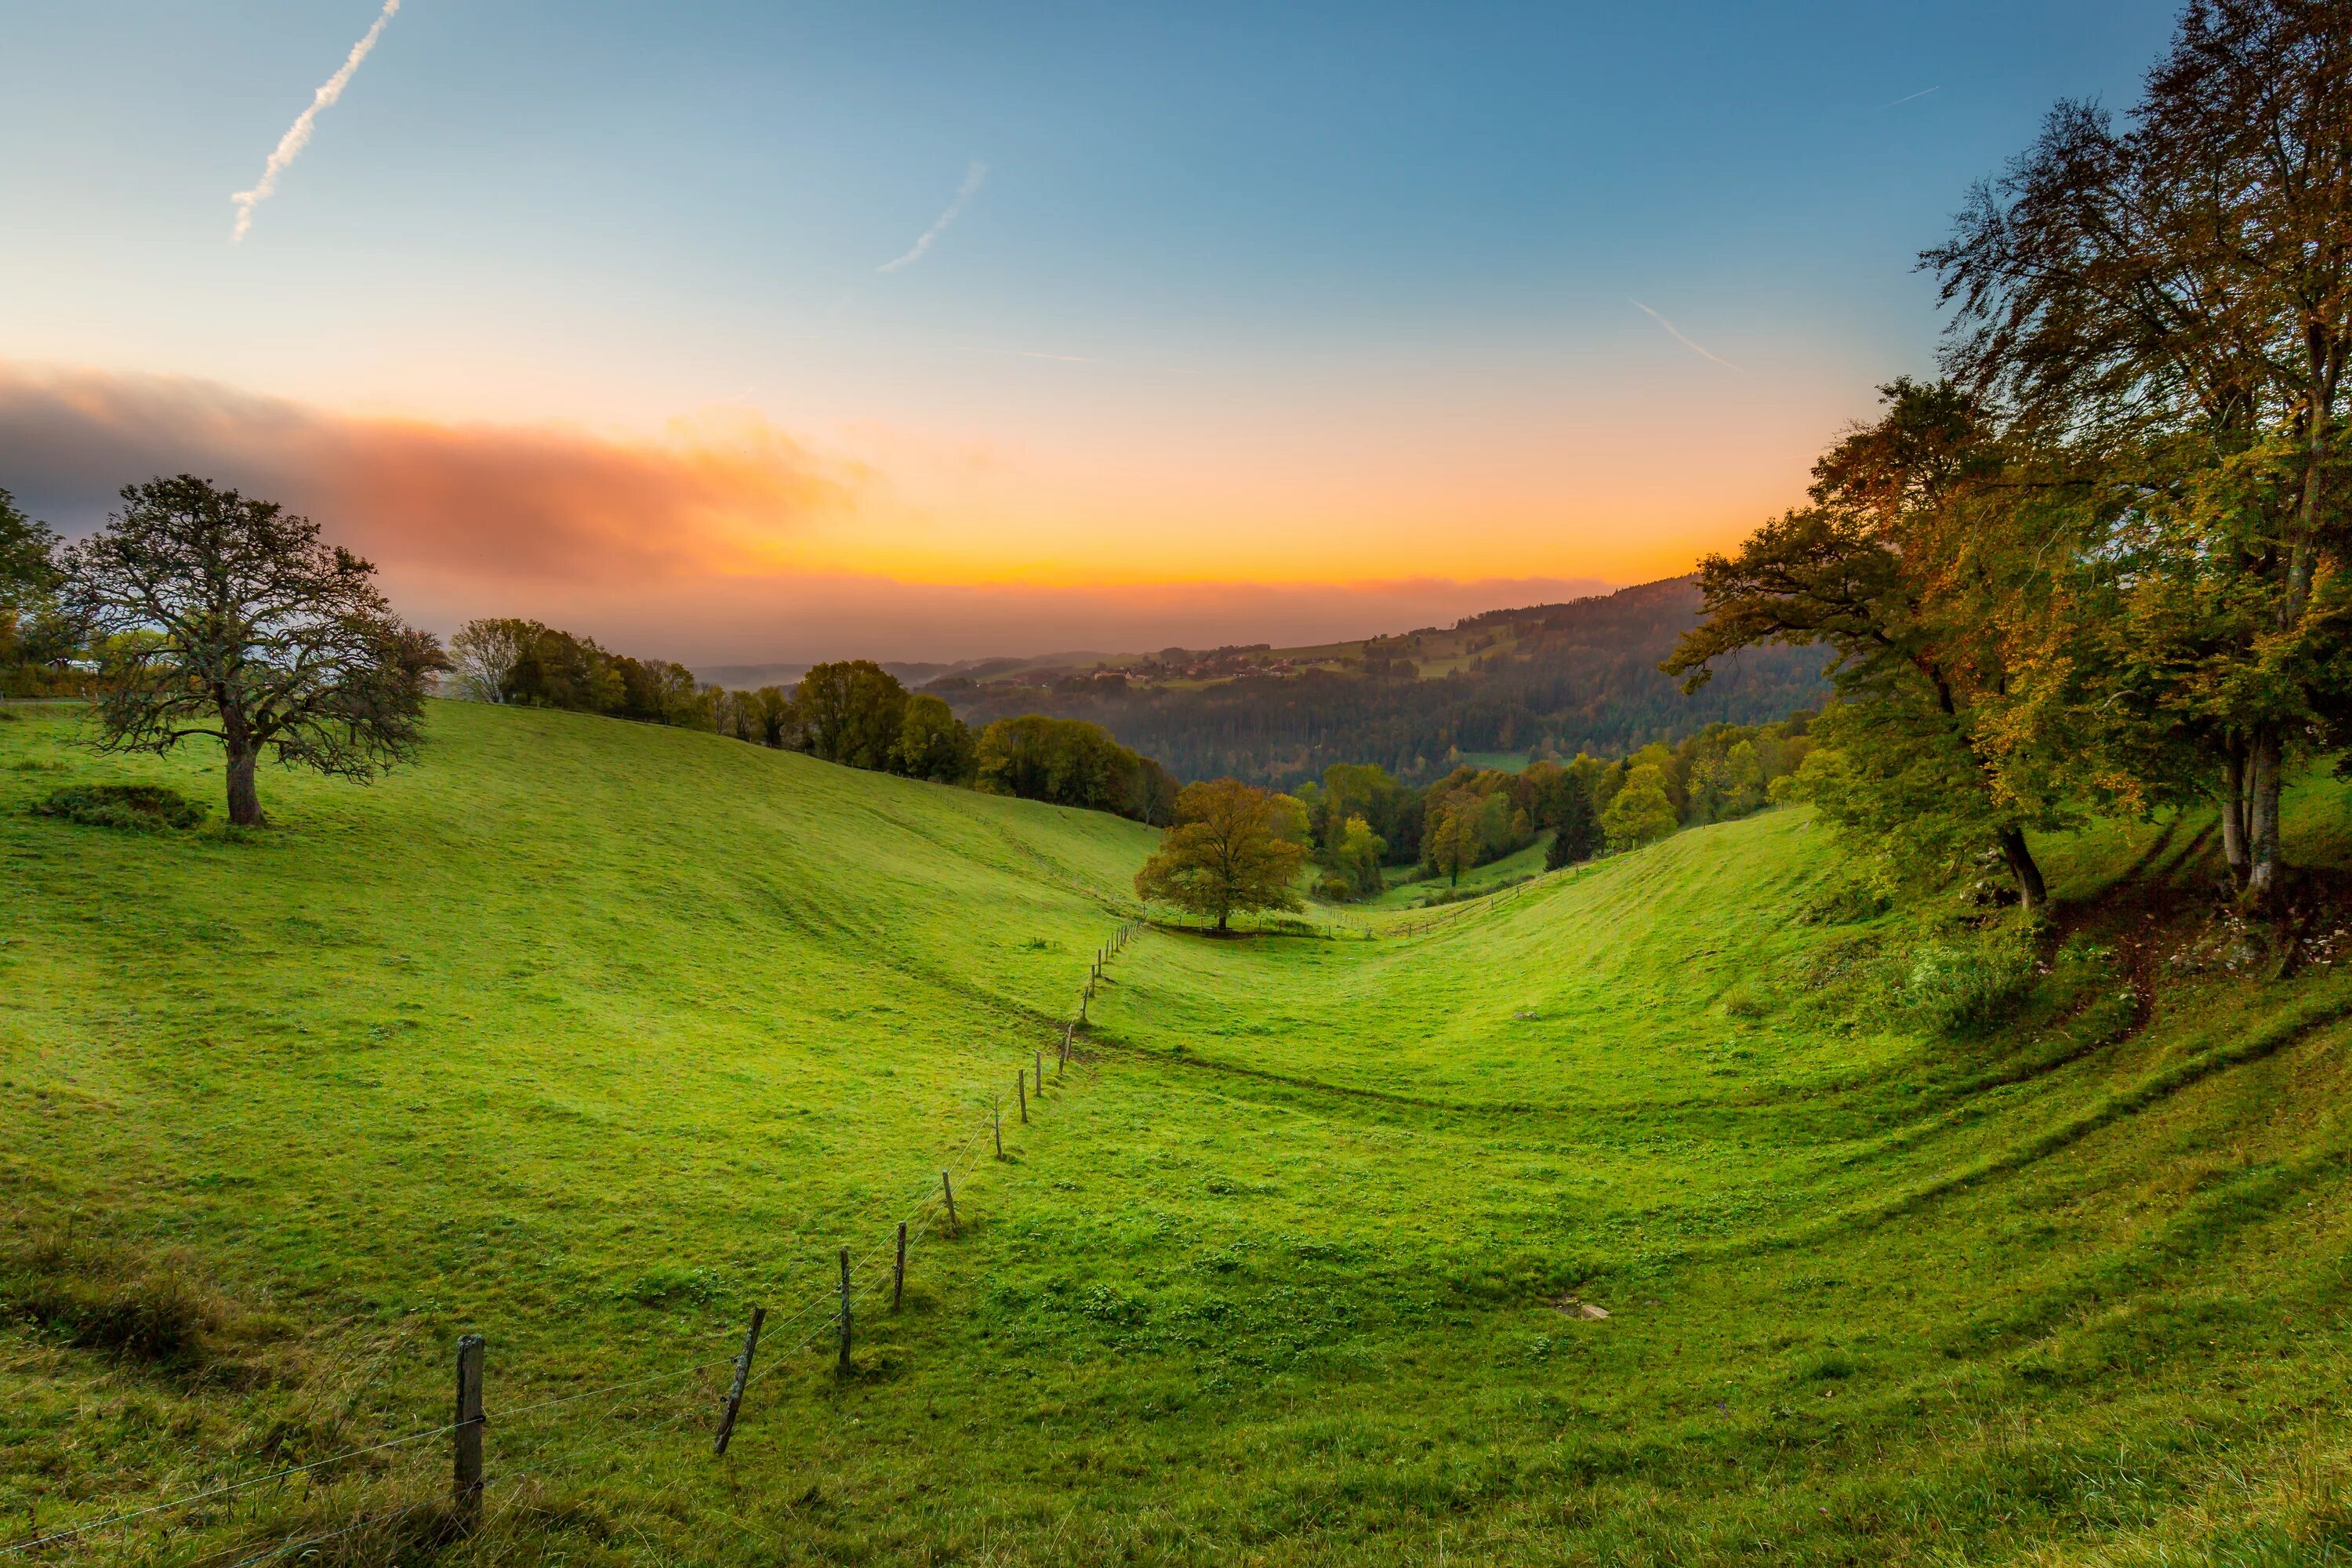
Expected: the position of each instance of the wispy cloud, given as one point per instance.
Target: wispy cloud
(972, 180)
(298, 135)
(1676, 333)
(1909, 96)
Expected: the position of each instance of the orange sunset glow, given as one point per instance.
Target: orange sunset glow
(723, 505)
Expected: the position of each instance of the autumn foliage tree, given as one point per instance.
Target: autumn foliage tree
(1233, 849)
(2169, 305)
(1902, 569)
(228, 617)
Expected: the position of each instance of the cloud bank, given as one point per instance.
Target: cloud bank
(298, 135)
(678, 547)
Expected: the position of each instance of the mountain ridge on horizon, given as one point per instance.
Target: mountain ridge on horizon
(914, 673)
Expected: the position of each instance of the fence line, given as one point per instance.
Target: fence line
(919, 1219)
(1463, 908)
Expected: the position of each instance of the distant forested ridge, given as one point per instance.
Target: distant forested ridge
(1550, 679)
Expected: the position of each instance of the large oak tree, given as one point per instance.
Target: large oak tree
(229, 617)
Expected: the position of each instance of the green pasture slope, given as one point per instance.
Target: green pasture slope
(584, 1036)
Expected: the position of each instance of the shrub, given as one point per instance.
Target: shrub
(1970, 982)
(1847, 900)
(136, 806)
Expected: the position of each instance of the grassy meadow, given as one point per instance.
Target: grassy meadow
(584, 1036)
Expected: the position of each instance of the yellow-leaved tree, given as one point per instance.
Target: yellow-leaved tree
(1233, 849)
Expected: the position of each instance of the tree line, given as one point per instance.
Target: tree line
(196, 611)
(2098, 565)
(851, 712)
(1359, 823)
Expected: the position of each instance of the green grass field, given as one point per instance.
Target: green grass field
(584, 1036)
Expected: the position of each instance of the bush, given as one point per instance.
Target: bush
(1971, 982)
(136, 806)
(1845, 902)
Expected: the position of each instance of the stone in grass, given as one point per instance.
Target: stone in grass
(1573, 1308)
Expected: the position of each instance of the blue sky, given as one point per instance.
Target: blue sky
(1356, 280)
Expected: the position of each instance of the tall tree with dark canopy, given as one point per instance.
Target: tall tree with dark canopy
(2179, 294)
(31, 628)
(232, 619)
(1893, 568)
(851, 712)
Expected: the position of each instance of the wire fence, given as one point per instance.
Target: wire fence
(832, 1311)
(1460, 910)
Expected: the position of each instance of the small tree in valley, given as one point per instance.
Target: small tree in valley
(1576, 827)
(231, 619)
(1640, 814)
(1231, 851)
(1454, 835)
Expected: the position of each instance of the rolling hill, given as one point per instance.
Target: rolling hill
(1560, 678)
(1666, 1210)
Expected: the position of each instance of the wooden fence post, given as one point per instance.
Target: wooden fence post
(469, 1426)
(947, 1189)
(1041, 1074)
(844, 1311)
(899, 1274)
(1021, 1088)
(996, 1122)
(735, 1391)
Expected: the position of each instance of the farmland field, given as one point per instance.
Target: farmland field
(585, 1037)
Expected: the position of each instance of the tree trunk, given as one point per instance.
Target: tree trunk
(2031, 891)
(2264, 757)
(244, 801)
(2233, 810)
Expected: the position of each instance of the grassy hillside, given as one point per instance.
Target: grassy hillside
(584, 1036)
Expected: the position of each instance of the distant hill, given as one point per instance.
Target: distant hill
(752, 676)
(1548, 677)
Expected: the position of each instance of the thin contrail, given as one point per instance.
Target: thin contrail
(964, 192)
(298, 135)
(1909, 96)
(1676, 333)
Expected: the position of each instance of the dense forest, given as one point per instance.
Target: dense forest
(1555, 679)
